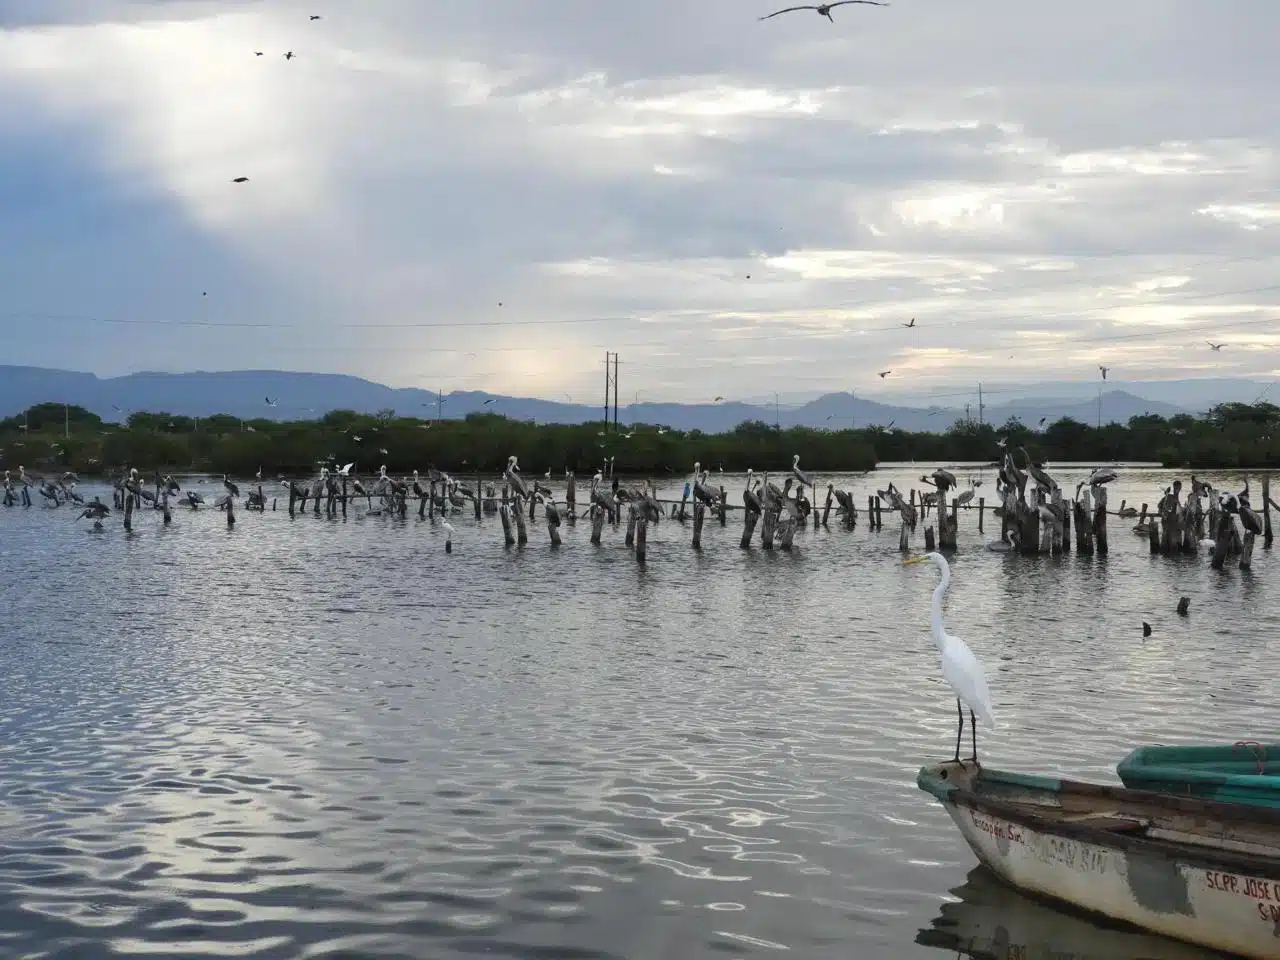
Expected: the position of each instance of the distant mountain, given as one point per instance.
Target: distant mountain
(245, 393)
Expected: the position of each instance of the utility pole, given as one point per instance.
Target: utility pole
(967, 418)
(981, 421)
(439, 405)
(777, 418)
(66, 421)
(610, 384)
(615, 393)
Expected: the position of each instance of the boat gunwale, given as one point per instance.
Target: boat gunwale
(1158, 764)
(1193, 855)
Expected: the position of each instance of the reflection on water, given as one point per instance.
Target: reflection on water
(314, 737)
(991, 921)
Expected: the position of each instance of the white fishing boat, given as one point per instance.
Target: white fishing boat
(1196, 870)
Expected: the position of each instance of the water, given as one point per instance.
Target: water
(317, 738)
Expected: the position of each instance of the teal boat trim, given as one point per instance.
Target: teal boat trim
(1235, 773)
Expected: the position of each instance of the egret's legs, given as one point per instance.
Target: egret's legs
(959, 729)
(973, 732)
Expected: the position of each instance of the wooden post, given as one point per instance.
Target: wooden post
(522, 531)
(1266, 511)
(954, 524)
(748, 528)
(684, 499)
(879, 514)
(631, 525)
(571, 498)
(422, 501)
(642, 537)
(871, 511)
(1246, 550)
(826, 507)
(929, 543)
(699, 516)
(597, 522)
(231, 512)
(722, 506)
(164, 505)
(1153, 533)
(553, 531)
(904, 537)
(479, 495)
(1057, 535)
(128, 510)
(532, 504)
(504, 514)
(1100, 522)
(431, 500)
(788, 533)
(982, 509)
(344, 499)
(1222, 536)
(768, 527)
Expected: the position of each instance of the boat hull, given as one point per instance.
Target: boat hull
(1183, 897)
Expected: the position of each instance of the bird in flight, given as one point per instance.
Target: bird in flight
(1215, 347)
(718, 399)
(315, 16)
(824, 9)
(911, 324)
(270, 402)
(289, 55)
(1104, 372)
(240, 180)
(257, 53)
(489, 401)
(885, 373)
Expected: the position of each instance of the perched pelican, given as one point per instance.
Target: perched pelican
(1042, 479)
(601, 498)
(1248, 519)
(965, 496)
(512, 476)
(1098, 478)
(799, 474)
(1126, 512)
(232, 489)
(962, 670)
(944, 480)
(749, 498)
(704, 491)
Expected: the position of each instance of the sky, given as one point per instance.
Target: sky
(491, 196)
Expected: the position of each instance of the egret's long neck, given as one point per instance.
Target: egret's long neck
(938, 593)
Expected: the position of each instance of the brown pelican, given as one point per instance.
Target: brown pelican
(823, 9)
(599, 497)
(965, 496)
(944, 480)
(704, 491)
(232, 489)
(749, 498)
(512, 476)
(799, 474)
(1248, 519)
(95, 510)
(1042, 479)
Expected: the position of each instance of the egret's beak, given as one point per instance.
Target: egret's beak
(920, 559)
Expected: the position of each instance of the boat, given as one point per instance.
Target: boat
(1195, 870)
(1244, 772)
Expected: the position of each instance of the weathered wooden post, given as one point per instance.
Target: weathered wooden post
(231, 512)
(1100, 522)
(1266, 511)
(571, 497)
(879, 513)
(788, 532)
(904, 537)
(1246, 549)
(699, 517)
(553, 531)
(723, 506)
(1082, 510)
(930, 544)
(642, 537)
(684, 499)
(871, 510)
(748, 528)
(982, 510)
(128, 510)
(630, 538)
(768, 527)
(522, 530)
(164, 506)
(826, 507)
(504, 514)
(1222, 535)
(597, 522)
(1057, 533)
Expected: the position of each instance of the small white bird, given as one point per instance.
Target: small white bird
(961, 669)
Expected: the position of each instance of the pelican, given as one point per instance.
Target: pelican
(749, 498)
(706, 493)
(232, 489)
(599, 497)
(1100, 476)
(823, 10)
(1248, 519)
(512, 475)
(1126, 512)
(550, 509)
(798, 473)
(944, 480)
(961, 669)
(788, 505)
(1042, 479)
(1215, 347)
(416, 487)
(95, 510)
(963, 498)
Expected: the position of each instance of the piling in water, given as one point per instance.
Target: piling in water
(642, 538)
(128, 511)
(630, 538)
(748, 528)
(699, 517)
(504, 514)
(597, 522)
(788, 527)
(522, 530)
(1266, 511)
(768, 527)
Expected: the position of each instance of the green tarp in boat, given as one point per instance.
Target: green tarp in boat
(1244, 772)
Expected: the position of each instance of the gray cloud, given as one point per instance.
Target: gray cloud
(1018, 177)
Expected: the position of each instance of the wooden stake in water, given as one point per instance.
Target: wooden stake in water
(522, 531)
(1100, 522)
(631, 526)
(748, 528)
(642, 538)
(504, 514)
(699, 517)
(1266, 511)
(597, 522)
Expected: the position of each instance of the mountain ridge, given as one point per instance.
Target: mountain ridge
(279, 394)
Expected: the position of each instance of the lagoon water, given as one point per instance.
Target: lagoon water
(324, 738)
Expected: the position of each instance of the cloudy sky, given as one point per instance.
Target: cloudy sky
(463, 195)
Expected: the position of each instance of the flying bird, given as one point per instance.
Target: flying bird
(315, 16)
(272, 403)
(824, 9)
(489, 401)
(884, 373)
(257, 53)
(1104, 372)
(1215, 347)
(289, 55)
(718, 399)
(911, 324)
(240, 180)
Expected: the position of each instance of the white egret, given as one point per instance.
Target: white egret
(961, 669)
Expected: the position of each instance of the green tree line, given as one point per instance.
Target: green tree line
(51, 437)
